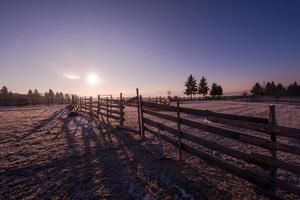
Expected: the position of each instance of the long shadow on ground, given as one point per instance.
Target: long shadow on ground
(92, 160)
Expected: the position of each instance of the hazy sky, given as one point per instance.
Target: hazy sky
(152, 45)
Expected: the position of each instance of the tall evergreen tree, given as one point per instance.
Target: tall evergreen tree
(257, 90)
(191, 86)
(203, 87)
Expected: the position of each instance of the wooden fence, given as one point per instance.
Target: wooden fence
(265, 179)
(263, 168)
(105, 107)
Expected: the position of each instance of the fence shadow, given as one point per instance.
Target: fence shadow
(89, 159)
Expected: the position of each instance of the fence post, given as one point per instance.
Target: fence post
(98, 106)
(80, 103)
(272, 124)
(107, 118)
(84, 103)
(138, 109)
(91, 104)
(142, 118)
(179, 130)
(121, 111)
(110, 104)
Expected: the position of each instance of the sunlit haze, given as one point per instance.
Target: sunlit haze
(107, 47)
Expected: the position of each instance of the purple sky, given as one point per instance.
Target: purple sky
(153, 45)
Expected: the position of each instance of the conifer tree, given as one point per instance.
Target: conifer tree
(214, 90)
(203, 87)
(280, 90)
(191, 86)
(219, 90)
(36, 94)
(257, 90)
(270, 89)
(57, 95)
(67, 98)
(51, 96)
(30, 93)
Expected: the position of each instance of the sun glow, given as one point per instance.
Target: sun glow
(92, 79)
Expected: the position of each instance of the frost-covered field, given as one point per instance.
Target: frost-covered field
(287, 115)
(46, 154)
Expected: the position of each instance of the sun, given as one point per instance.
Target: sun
(92, 79)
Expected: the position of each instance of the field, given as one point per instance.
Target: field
(45, 153)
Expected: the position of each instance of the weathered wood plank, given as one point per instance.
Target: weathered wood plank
(161, 115)
(206, 113)
(159, 106)
(279, 130)
(278, 163)
(243, 137)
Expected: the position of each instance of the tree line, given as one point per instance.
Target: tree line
(48, 96)
(201, 88)
(271, 89)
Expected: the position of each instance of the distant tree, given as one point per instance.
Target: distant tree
(57, 95)
(280, 90)
(61, 97)
(36, 94)
(67, 98)
(203, 87)
(293, 90)
(51, 96)
(214, 90)
(4, 91)
(270, 89)
(191, 86)
(219, 90)
(257, 90)
(30, 93)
